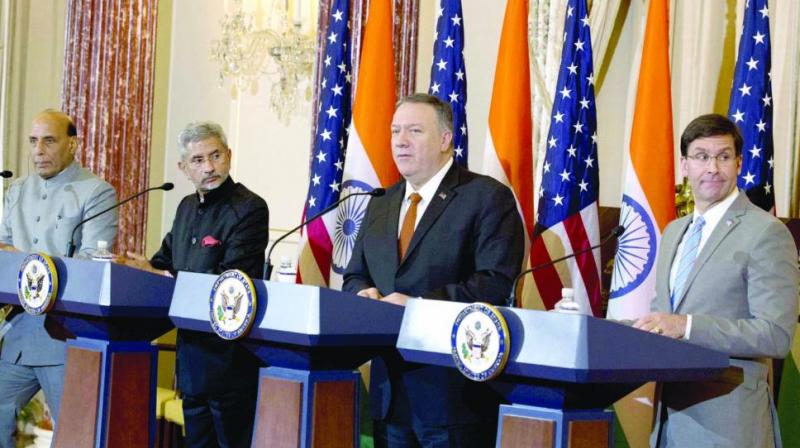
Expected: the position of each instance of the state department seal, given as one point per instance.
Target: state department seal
(480, 342)
(37, 284)
(232, 304)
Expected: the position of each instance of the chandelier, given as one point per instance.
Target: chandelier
(281, 51)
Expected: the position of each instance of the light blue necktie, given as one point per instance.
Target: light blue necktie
(688, 256)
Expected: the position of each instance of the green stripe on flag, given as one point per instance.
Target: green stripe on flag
(789, 402)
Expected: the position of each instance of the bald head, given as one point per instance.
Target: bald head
(53, 142)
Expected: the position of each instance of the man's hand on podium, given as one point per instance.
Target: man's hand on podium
(373, 293)
(370, 293)
(396, 298)
(671, 325)
(138, 261)
(8, 247)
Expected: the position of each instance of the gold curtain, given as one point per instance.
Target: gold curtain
(108, 90)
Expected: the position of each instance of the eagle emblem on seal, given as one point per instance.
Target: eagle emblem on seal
(33, 284)
(230, 304)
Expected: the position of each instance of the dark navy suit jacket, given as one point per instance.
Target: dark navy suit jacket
(467, 247)
(228, 230)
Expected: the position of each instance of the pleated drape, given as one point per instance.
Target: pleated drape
(108, 90)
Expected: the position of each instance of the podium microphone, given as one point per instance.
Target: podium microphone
(376, 192)
(615, 232)
(166, 186)
(5, 174)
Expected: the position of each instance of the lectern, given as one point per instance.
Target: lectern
(113, 312)
(563, 370)
(312, 339)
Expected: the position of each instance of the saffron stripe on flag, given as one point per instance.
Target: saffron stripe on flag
(508, 154)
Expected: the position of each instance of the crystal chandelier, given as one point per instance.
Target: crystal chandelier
(281, 51)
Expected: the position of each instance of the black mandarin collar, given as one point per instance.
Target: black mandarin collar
(214, 196)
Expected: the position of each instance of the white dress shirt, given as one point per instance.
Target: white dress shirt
(426, 191)
(712, 216)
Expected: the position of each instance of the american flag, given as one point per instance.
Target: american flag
(448, 72)
(327, 159)
(570, 178)
(751, 105)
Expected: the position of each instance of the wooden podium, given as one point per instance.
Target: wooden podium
(113, 312)
(564, 370)
(312, 339)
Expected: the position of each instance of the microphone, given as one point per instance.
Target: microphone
(376, 192)
(615, 232)
(5, 174)
(166, 186)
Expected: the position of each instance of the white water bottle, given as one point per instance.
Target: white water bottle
(102, 253)
(286, 272)
(567, 304)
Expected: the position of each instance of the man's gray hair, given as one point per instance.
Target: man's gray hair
(199, 131)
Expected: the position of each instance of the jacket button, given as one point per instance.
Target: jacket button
(35, 240)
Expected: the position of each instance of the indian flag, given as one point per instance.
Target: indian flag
(648, 203)
(369, 161)
(509, 148)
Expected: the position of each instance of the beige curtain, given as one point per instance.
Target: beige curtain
(784, 22)
(698, 33)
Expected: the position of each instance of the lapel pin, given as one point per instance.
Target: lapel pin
(729, 222)
(443, 195)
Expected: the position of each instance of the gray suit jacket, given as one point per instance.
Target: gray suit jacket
(39, 215)
(742, 294)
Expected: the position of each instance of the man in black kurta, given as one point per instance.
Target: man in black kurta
(221, 226)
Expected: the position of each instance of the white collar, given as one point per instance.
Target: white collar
(429, 188)
(714, 214)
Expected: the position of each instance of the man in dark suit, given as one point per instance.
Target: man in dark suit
(221, 226)
(441, 233)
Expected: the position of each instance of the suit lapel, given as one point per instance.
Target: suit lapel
(727, 223)
(389, 238)
(439, 202)
(670, 245)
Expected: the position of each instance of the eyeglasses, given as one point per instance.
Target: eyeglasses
(200, 161)
(702, 158)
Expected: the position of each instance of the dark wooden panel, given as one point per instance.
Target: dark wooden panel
(588, 434)
(280, 404)
(519, 432)
(334, 408)
(79, 403)
(129, 400)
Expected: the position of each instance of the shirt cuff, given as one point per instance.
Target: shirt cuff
(688, 328)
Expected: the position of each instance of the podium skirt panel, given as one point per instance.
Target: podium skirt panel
(18, 384)
(538, 427)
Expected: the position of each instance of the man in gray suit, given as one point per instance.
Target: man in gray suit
(40, 211)
(727, 279)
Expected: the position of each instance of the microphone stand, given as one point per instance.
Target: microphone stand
(71, 247)
(268, 265)
(617, 231)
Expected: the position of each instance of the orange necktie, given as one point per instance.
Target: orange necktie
(407, 231)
